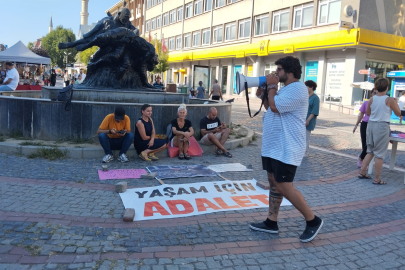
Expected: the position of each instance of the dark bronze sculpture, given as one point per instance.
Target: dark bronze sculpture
(123, 58)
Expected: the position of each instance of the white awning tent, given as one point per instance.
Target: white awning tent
(19, 53)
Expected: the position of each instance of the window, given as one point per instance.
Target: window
(303, 16)
(196, 39)
(147, 26)
(207, 5)
(153, 23)
(165, 19)
(329, 11)
(158, 22)
(232, 1)
(148, 3)
(230, 32)
(206, 34)
(198, 7)
(280, 20)
(171, 44)
(244, 28)
(261, 25)
(187, 41)
(180, 14)
(178, 43)
(172, 16)
(219, 3)
(189, 11)
(217, 34)
(159, 1)
(154, 2)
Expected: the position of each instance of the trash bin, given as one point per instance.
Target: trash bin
(183, 90)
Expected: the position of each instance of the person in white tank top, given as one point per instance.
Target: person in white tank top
(379, 109)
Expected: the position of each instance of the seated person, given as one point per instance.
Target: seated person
(79, 80)
(182, 132)
(145, 143)
(12, 79)
(213, 132)
(158, 83)
(114, 134)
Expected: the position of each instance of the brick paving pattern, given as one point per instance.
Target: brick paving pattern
(58, 215)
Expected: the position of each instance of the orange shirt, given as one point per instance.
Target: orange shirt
(110, 123)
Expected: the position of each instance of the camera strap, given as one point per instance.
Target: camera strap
(247, 100)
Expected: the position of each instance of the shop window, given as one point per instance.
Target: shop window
(189, 11)
(329, 11)
(187, 41)
(224, 80)
(217, 34)
(280, 20)
(269, 68)
(179, 14)
(196, 39)
(230, 32)
(206, 34)
(207, 5)
(178, 43)
(197, 7)
(262, 25)
(219, 3)
(172, 16)
(303, 15)
(244, 28)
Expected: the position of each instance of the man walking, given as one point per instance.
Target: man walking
(313, 110)
(114, 134)
(10, 83)
(283, 145)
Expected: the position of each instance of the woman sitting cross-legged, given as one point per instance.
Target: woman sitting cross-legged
(145, 143)
(182, 132)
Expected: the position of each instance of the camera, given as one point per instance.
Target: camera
(121, 132)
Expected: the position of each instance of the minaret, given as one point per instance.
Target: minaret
(84, 14)
(50, 25)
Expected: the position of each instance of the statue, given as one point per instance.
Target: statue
(123, 58)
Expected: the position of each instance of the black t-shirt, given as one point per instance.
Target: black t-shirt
(209, 124)
(185, 128)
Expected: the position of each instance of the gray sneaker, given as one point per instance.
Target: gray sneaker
(123, 158)
(108, 158)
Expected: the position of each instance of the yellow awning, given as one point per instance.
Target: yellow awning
(367, 38)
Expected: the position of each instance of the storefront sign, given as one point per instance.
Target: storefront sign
(289, 49)
(335, 73)
(363, 71)
(263, 48)
(240, 54)
(311, 71)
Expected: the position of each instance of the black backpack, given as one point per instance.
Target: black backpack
(66, 94)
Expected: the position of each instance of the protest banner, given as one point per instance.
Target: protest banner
(179, 171)
(183, 200)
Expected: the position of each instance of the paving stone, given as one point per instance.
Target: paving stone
(129, 215)
(121, 187)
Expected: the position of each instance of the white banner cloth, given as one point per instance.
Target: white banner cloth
(230, 167)
(183, 200)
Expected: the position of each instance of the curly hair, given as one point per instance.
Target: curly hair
(290, 65)
(311, 84)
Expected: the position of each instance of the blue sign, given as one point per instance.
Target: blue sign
(237, 69)
(397, 73)
(311, 71)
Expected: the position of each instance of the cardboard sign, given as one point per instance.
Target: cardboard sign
(121, 174)
(183, 200)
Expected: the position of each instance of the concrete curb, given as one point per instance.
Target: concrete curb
(97, 152)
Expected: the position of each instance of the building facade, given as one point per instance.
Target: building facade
(334, 40)
(137, 8)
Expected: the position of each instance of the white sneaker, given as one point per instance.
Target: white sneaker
(123, 158)
(108, 158)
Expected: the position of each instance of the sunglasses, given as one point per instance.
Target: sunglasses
(279, 69)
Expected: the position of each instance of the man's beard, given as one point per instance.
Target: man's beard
(283, 78)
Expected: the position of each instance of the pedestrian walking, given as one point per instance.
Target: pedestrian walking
(313, 110)
(363, 118)
(216, 92)
(283, 144)
(66, 78)
(379, 108)
(53, 77)
(200, 90)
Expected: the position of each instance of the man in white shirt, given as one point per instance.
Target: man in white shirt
(83, 75)
(284, 144)
(10, 83)
(401, 106)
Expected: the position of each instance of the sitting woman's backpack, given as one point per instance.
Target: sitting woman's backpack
(66, 94)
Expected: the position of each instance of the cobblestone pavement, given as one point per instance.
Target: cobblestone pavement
(58, 215)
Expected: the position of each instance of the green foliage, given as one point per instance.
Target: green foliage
(30, 45)
(163, 57)
(85, 56)
(50, 44)
(49, 153)
(41, 52)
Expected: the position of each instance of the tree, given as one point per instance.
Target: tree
(163, 58)
(50, 44)
(85, 55)
(30, 45)
(40, 51)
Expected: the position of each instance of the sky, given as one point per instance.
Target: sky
(28, 20)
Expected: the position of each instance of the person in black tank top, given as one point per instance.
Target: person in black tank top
(144, 142)
(182, 132)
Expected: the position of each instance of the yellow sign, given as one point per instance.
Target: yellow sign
(263, 48)
(400, 66)
(289, 49)
(240, 54)
(182, 70)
